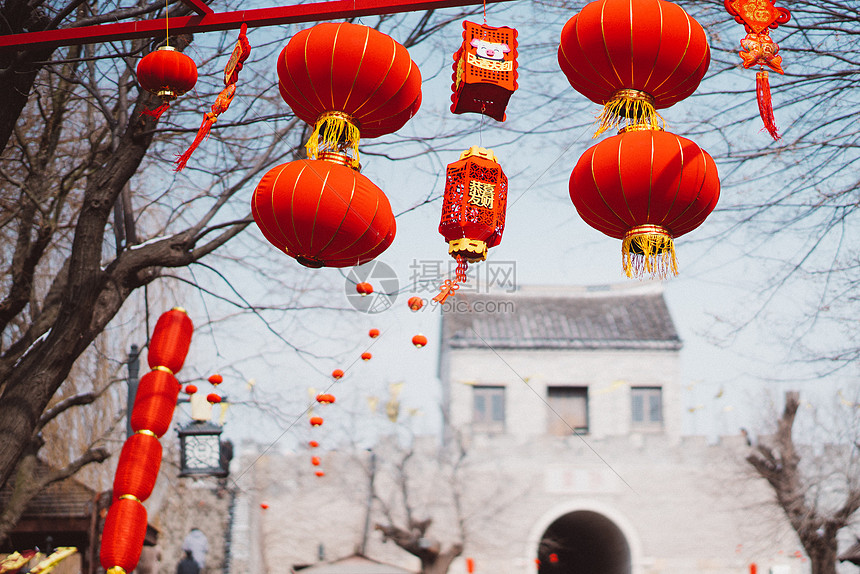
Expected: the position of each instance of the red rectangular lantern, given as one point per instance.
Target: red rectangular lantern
(485, 70)
(473, 209)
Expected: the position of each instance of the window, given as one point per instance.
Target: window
(488, 409)
(569, 410)
(647, 407)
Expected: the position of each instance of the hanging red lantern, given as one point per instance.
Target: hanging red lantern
(645, 188)
(415, 303)
(363, 288)
(138, 466)
(316, 421)
(366, 356)
(325, 398)
(154, 402)
(373, 333)
(348, 81)
(264, 506)
(485, 70)
(190, 389)
(473, 210)
(337, 374)
(633, 57)
(323, 214)
(213, 398)
(170, 341)
(758, 18)
(166, 73)
(215, 379)
(313, 444)
(419, 341)
(319, 474)
(315, 460)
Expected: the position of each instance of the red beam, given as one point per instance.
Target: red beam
(315, 12)
(199, 7)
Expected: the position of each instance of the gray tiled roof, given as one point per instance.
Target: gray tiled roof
(600, 317)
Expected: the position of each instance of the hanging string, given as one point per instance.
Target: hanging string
(485, 12)
(167, 23)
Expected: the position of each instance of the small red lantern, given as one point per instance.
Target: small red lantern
(337, 374)
(646, 188)
(366, 356)
(485, 70)
(170, 340)
(320, 474)
(373, 333)
(323, 214)
(419, 341)
(190, 389)
(166, 73)
(264, 506)
(213, 398)
(348, 81)
(415, 303)
(470, 565)
(216, 379)
(315, 460)
(553, 558)
(633, 57)
(364, 288)
(313, 444)
(325, 398)
(316, 421)
(473, 210)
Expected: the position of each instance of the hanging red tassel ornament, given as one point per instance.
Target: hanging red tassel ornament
(241, 51)
(170, 341)
(758, 18)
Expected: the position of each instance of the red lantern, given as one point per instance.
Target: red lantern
(633, 57)
(364, 288)
(155, 402)
(470, 565)
(213, 398)
(319, 474)
(264, 506)
(646, 188)
(190, 389)
(415, 303)
(419, 341)
(366, 356)
(337, 374)
(553, 558)
(123, 535)
(323, 214)
(315, 460)
(485, 70)
(316, 421)
(473, 209)
(313, 444)
(166, 73)
(325, 398)
(348, 81)
(216, 379)
(170, 341)
(373, 333)
(138, 466)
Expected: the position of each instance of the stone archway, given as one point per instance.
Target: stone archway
(584, 542)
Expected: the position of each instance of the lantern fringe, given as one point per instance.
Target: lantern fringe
(157, 112)
(335, 131)
(222, 102)
(649, 253)
(765, 104)
(631, 108)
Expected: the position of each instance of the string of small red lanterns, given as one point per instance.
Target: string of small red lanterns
(140, 459)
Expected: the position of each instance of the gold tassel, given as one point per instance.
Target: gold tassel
(630, 108)
(648, 250)
(334, 131)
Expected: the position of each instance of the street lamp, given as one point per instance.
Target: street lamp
(200, 446)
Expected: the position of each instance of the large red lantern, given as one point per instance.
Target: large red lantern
(168, 74)
(473, 209)
(323, 214)
(633, 57)
(485, 70)
(348, 81)
(170, 341)
(645, 187)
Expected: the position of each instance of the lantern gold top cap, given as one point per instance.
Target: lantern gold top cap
(167, 48)
(479, 152)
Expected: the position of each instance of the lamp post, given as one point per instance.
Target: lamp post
(200, 445)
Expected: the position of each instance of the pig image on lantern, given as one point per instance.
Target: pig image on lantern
(490, 50)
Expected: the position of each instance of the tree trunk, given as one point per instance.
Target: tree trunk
(823, 557)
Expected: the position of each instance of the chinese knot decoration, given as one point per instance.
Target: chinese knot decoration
(140, 459)
(633, 57)
(166, 73)
(485, 70)
(758, 17)
(645, 187)
(241, 51)
(473, 210)
(348, 81)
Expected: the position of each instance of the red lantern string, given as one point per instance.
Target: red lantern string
(154, 402)
(138, 466)
(123, 535)
(170, 341)
(241, 51)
